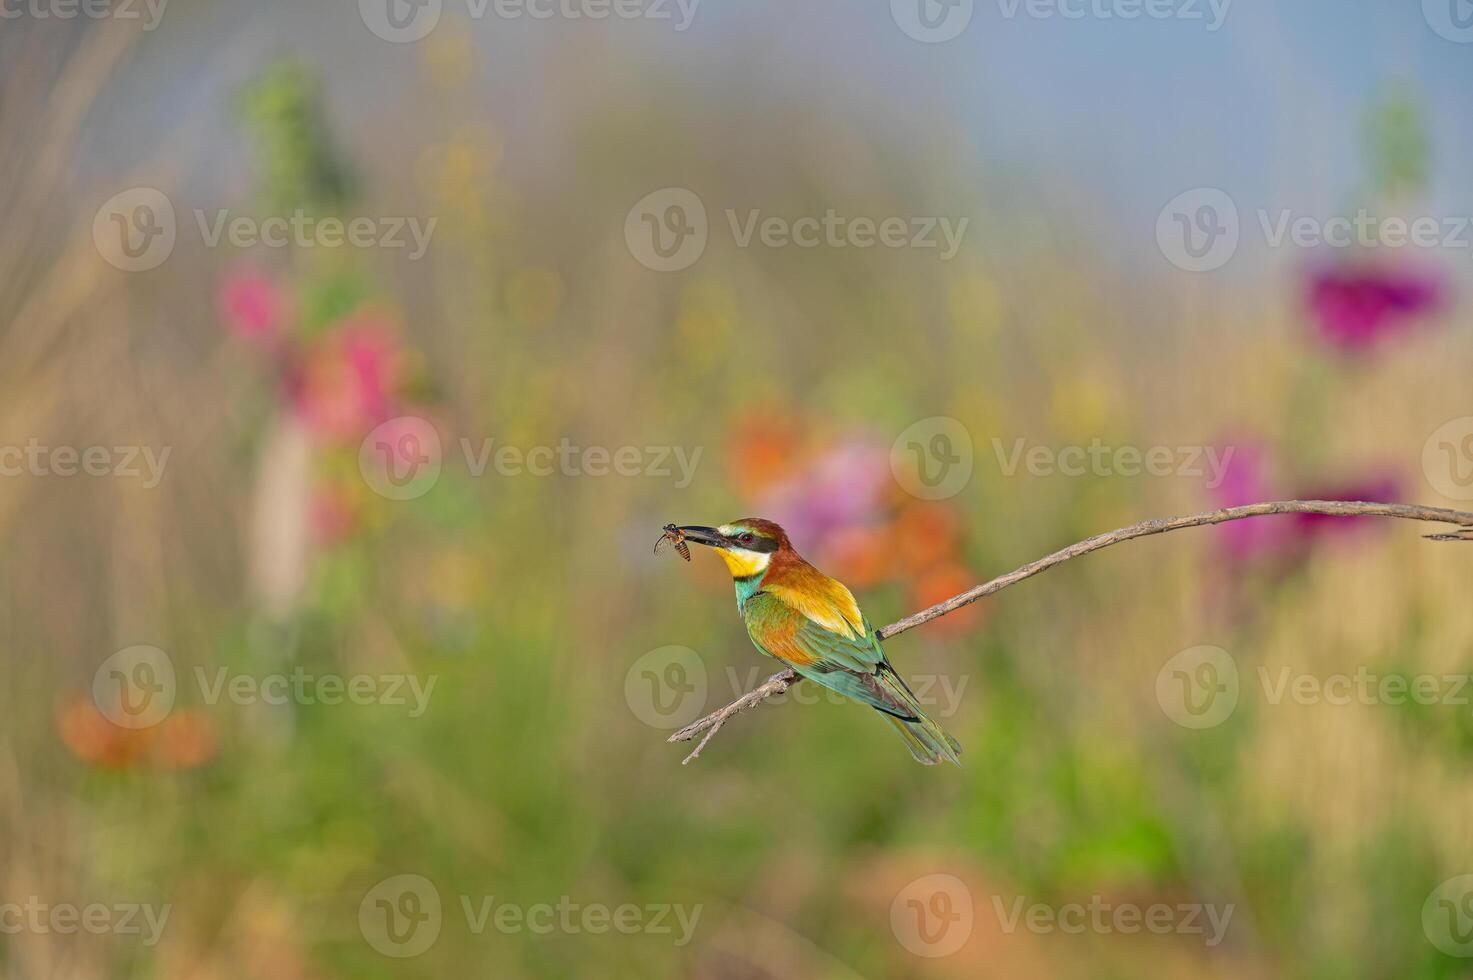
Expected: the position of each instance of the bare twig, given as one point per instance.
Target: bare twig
(772, 687)
(780, 682)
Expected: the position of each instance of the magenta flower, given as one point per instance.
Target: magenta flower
(1246, 480)
(372, 354)
(1356, 308)
(253, 307)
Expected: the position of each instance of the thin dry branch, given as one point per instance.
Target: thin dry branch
(779, 683)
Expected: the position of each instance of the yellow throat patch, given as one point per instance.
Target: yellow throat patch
(744, 563)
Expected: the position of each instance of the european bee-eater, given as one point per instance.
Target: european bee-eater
(798, 615)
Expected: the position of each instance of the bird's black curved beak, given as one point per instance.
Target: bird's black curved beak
(704, 535)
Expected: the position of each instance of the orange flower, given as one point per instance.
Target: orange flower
(95, 740)
(858, 556)
(765, 445)
(927, 533)
(940, 584)
(183, 740)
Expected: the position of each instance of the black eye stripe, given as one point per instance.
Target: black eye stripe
(758, 543)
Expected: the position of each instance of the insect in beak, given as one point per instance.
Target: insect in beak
(675, 536)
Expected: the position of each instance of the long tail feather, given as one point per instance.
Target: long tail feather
(928, 743)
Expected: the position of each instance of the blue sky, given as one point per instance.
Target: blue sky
(1125, 114)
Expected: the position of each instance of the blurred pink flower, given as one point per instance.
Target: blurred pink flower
(1384, 489)
(253, 307)
(344, 384)
(1246, 480)
(1355, 308)
(841, 489)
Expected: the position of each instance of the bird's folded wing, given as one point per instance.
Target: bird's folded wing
(848, 664)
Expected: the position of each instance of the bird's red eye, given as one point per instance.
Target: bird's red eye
(748, 538)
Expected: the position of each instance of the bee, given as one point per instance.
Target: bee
(676, 537)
